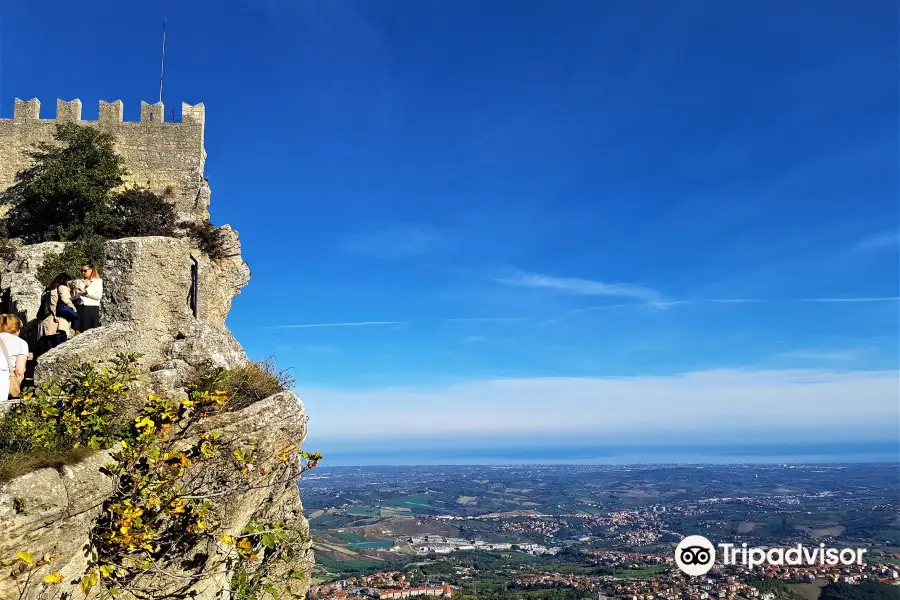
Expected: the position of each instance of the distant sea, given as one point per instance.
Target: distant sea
(843, 452)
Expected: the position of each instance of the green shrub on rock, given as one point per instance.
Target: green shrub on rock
(69, 181)
(208, 238)
(62, 423)
(135, 212)
(76, 412)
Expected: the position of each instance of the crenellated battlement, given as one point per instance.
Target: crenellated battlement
(159, 154)
(109, 112)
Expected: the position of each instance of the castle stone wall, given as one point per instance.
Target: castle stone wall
(157, 154)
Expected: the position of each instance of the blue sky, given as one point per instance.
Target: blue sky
(605, 220)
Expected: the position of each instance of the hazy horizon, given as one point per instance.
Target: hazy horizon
(464, 452)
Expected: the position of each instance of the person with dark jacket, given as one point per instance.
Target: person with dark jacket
(60, 312)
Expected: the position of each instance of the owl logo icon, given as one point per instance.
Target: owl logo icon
(695, 555)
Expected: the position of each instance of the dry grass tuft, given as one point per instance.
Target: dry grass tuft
(18, 464)
(256, 381)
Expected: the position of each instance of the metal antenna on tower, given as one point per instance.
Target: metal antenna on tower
(162, 68)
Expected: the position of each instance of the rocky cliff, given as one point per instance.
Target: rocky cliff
(147, 309)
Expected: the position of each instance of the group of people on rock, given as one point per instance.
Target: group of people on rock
(68, 307)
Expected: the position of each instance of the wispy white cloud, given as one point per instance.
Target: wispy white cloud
(603, 308)
(346, 324)
(582, 287)
(398, 241)
(649, 296)
(860, 299)
(670, 303)
(880, 241)
(863, 299)
(814, 354)
(606, 307)
(488, 319)
(637, 408)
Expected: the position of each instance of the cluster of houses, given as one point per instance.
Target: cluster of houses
(445, 591)
(387, 585)
(437, 544)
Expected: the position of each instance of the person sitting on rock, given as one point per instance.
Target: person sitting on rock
(88, 291)
(56, 327)
(13, 354)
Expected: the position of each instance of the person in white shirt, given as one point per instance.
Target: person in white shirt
(16, 348)
(88, 290)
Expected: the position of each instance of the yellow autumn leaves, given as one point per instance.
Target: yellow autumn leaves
(25, 561)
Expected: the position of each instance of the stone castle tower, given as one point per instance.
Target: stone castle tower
(157, 154)
(146, 308)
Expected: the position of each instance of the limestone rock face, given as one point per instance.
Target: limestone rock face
(147, 283)
(100, 345)
(146, 309)
(274, 423)
(203, 199)
(52, 512)
(28, 259)
(221, 280)
(24, 294)
(207, 344)
(170, 377)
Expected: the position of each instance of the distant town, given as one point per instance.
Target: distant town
(535, 532)
(668, 584)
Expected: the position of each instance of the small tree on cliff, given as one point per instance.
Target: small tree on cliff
(74, 191)
(68, 184)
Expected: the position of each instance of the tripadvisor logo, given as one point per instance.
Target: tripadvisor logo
(695, 555)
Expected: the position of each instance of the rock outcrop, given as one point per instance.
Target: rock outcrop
(222, 279)
(147, 309)
(52, 511)
(28, 259)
